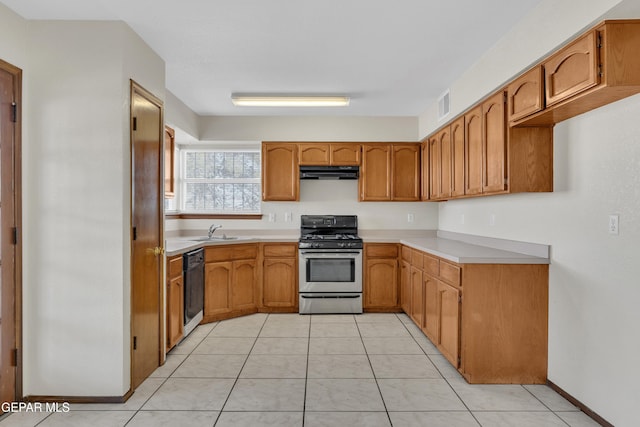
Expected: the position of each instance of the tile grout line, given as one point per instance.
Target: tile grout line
(235, 382)
(373, 372)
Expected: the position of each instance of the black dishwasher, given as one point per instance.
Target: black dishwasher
(193, 265)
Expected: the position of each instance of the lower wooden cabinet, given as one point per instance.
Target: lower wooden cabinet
(230, 274)
(489, 320)
(175, 301)
(380, 290)
(280, 277)
(448, 310)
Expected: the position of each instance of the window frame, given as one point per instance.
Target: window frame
(183, 213)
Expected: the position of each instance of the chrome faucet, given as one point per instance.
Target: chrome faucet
(213, 228)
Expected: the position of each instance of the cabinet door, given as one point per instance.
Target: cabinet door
(405, 179)
(525, 95)
(444, 146)
(417, 297)
(313, 154)
(381, 283)
(346, 154)
(449, 333)
(425, 182)
(572, 70)
(375, 174)
(495, 144)
(405, 287)
(457, 158)
(243, 284)
(280, 172)
(473, 151)
(434, 169)
(175, 311)
(431, 325)
(217, 282)
(279, 284)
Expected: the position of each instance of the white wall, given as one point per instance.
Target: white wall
(76, 204)
(593, 318)
(301, 128)
(327, 197)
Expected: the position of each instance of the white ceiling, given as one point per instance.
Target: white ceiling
(393, 57)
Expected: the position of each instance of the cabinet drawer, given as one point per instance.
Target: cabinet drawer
(450, 273)
(416, 259)
(230, 252)
(280, 250)
(431, 265)
(406, 254)
(373, 250)
(174, 266)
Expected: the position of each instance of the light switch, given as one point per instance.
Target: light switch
(410, 217)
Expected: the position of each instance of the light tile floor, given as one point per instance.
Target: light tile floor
(320, 370)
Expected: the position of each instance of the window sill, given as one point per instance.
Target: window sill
(178, 215)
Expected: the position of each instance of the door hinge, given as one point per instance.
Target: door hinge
(14, 357)
(460, 298)
(135, 343)
(135, 123)
(14, 235)
(135, 233)
(600, 73)
(14, 112)
(599, 42)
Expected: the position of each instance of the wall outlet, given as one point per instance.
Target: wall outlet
(288, 216)
(614, 224)
(410, 217)
(271, 217)
(492, 220)
(461, 219)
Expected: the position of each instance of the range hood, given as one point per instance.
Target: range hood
(329, 172)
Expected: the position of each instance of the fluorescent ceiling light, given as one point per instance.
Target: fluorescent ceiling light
(289, 101)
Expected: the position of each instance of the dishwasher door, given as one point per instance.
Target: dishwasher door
(193, 265)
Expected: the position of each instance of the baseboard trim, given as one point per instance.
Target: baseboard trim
(80, 399)
(584, 408)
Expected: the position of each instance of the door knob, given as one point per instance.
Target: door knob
(155, 251)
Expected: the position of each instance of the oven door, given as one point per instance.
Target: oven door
(330, 270)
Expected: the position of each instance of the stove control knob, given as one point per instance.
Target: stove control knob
(341, 244)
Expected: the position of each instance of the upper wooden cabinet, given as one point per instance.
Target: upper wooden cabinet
(345, 154)
(390, 172)
(440, 161)
(314, 154)
(473, 151)
(495, 145)
(280, 172)
(457, 158)
(599, 67)
(325, 154)
(572, 70)
(169, 159)
(525, 95)
(375, 172)
(405, 172)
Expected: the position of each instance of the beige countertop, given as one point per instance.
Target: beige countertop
(455, 247)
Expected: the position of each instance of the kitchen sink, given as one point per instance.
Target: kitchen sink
(213, 238)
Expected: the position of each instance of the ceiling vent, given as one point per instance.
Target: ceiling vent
(444, 105)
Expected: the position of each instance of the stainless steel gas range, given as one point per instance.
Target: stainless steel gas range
(330, 264)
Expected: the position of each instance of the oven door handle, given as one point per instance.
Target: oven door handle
(330, 254)
(329, 296)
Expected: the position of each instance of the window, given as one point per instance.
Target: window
(221, 181)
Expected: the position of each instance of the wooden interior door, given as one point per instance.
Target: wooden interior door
(146, 220)
(10, 276)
